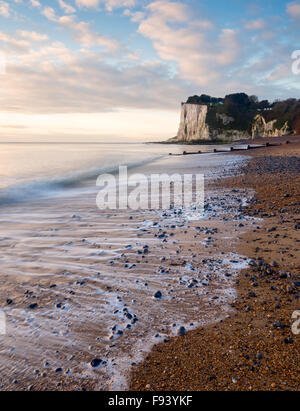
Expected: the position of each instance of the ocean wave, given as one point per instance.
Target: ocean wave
(57, 186)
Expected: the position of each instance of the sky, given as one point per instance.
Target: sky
(119, 69)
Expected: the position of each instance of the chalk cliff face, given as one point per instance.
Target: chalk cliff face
(261, 128)
(193, 123)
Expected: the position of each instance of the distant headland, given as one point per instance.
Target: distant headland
(235, 117)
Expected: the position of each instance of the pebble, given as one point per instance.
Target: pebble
(181, 331)
(96, 362)
(158, 295)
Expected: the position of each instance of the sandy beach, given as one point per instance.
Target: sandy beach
(253, 348)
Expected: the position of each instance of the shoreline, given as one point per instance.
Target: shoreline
(226, 142)
(254, 348)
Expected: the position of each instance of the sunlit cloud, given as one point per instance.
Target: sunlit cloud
(81, 30)
(293, 10)
(187, 45)
(5, 9)
(35, 3)
(108, 4)
(67, 8)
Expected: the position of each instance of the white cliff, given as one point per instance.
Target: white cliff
(193, 123)
(261, 128)
(193, 126)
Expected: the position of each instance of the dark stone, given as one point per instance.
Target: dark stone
(96, 362)
(181, 331)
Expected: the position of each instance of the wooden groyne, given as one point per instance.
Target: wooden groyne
(239, 147)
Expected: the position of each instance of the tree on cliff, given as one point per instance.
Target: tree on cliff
(240, 107)
(204, 99)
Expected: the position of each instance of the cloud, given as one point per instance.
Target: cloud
(35, 3)
(4, 9)
(293, 9)
(53, 79)
(82, 31)
(109, 4)
(12, 44)
(88, 3)
(136, 17)
(49, 13)
(66, 7)
(98, 74)
(32, 35)
(169, 11)
(258, 24)
(215, 59)
(229, 47)
(282, 71)
(177, 37)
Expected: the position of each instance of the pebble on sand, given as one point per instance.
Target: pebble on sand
(96, 362)
(158, 295)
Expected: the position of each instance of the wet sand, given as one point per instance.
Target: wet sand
(254, 347)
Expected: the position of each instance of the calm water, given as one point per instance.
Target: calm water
(32, 170)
